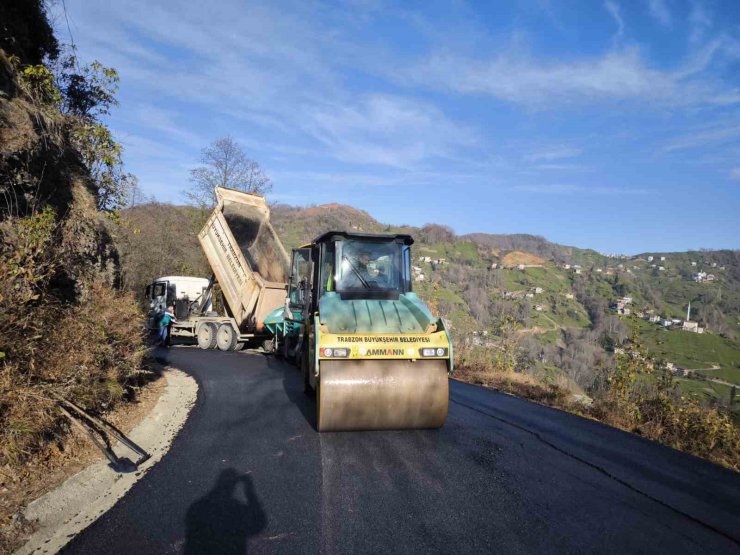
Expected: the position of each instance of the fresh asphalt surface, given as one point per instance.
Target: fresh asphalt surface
(249, 473)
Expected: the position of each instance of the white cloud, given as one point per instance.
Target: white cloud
(700, 138)
(568, 189)
(387, 130)
(553, 153)
(616, 13)
(521, 79)
(700, 21)
(271, 70)
(660, 12)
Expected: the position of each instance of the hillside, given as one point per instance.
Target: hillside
(560, 301)
(556, 302)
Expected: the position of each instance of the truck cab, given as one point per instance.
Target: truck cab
(178, 291)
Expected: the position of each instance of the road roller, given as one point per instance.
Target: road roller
(368, 348)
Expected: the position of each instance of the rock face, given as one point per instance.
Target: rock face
(39, 168)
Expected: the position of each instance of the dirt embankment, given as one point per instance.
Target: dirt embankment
(515, 258)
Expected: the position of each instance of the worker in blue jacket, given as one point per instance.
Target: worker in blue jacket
(165, 325)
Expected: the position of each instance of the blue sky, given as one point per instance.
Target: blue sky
(607, 124)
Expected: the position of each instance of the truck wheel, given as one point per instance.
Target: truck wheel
(226, 338)
(268, 345)
(207, 335)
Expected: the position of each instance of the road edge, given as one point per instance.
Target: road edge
(66, 511)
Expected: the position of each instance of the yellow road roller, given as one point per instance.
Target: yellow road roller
(371, 351)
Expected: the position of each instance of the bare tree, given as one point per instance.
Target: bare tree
(225, 164)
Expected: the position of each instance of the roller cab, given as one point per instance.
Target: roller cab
(368, 347)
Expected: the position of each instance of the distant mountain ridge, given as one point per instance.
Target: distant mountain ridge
(319, 218)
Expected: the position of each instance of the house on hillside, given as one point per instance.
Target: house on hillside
(662, 258)
(494, 266)
(538, 290)
(650, 259)
(711, 277)
(419, 277)
(654, 318)
(599, 270)
(520, 266)
(538, 307)
(621, 307)
(693, 327)
(666, 323)
(693, 263)
(513, 294)
(699, 277)
(570, 296)
(661, 268)
(577, 271)
(425, 258)
(566, 266)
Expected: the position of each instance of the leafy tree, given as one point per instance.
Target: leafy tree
(225, 164)
(84, 95)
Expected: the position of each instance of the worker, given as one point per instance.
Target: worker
(362, 261)
(165, 326)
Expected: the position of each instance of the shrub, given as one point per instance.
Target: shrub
(89, 353)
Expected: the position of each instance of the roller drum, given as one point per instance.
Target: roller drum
(382, 394)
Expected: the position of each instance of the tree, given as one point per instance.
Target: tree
(225, 164)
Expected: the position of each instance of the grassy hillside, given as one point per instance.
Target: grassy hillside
(561, 312)
(557, 306)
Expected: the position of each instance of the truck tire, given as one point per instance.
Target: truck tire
(207, 335)
(268, 345)
(227, 337)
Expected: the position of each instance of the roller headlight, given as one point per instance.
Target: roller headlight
(432, 352)
(334, 352)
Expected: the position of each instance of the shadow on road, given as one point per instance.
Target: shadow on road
(293, 386)
(220, 522)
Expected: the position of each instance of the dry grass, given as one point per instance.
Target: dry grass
(652, 408)
(88, 352)
(495, 370)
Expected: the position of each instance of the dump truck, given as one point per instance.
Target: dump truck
(368, 348)
(250, 265)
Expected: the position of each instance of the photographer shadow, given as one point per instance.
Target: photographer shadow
(220, 521)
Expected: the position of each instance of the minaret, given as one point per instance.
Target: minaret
(688, 313)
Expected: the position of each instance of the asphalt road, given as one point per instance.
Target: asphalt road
(248, 473)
